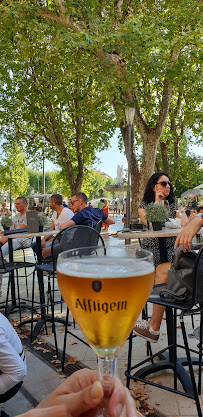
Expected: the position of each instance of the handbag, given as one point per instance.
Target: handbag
(180, 277)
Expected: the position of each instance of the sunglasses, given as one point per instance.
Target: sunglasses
(72, 202)
(165, 183)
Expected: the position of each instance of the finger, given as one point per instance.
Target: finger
(188, 246)
(87, 399)
(58, 411)
(121, 403)
(75, 383)
(130, 405)
(177, 242)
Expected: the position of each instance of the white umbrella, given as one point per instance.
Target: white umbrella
(192, 192)
(199, 186)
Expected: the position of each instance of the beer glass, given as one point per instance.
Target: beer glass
(105, 288)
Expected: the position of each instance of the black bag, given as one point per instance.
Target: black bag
(180, 277)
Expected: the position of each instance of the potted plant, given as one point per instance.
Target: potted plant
(42, 221)
(157, 214)
(6, 222)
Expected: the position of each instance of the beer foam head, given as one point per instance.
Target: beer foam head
(105, 267)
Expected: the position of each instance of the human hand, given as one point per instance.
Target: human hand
(3, 240)
(184, 239)
(43, 241)
(46, 252)
(58, 410)
(81, 393)
(192, 215)
(159, 196)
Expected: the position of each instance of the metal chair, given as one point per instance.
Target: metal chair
(98, 226)
(78, 236)
(69, 238)
(172, 362)
(10, 267)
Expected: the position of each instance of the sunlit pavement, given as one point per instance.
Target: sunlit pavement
(42, 379)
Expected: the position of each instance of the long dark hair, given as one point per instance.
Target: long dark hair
(149, 195)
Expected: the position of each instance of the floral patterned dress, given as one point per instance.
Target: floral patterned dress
(152, 244)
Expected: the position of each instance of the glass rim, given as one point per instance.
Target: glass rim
(148, 254)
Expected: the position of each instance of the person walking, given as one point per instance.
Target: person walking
(106, 211)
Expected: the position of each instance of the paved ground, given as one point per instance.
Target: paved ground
(42, 379)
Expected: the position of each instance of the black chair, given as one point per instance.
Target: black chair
(48, 266)
(78, 236)
(98, 226)
(172, 362)
(70, 238)
(10, 268)
(25, 275)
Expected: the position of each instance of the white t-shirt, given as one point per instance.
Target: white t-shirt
(63, 217)
(12, 365)
(17, 221)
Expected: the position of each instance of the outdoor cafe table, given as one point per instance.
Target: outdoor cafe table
(37, 235)
(181, 372)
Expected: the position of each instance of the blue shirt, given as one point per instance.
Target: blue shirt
(89, 215)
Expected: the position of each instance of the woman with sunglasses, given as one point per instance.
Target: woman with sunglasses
(158, 189)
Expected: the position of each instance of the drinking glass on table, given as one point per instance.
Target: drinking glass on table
(105, 289)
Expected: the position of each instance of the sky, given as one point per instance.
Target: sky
(112, 157)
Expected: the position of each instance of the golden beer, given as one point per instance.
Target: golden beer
(105, 296)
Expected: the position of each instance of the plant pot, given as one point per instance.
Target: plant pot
(41, 228)
(6, 227)
(157, 226)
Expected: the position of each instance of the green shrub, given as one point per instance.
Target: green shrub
(6, 221)
(42, 220)
(156, 213)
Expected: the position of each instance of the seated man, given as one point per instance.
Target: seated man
(83, 214)
(60, 215)
(19, 222)
(150, 330)
(12, 361)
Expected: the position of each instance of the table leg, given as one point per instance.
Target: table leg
(163, 250)
(13, 294)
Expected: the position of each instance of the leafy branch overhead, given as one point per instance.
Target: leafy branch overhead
(71, 68)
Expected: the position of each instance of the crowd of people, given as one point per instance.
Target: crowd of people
(81, 393)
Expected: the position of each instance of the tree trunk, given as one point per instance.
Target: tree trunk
(164, 156)
(140, 174)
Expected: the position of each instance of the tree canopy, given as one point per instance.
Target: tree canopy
(65, 64)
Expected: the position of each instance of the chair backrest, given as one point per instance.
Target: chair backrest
(74, 237)
(2, 263)
(197, 291)
(80, 236)
(98, 226)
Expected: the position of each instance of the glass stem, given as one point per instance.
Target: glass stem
(107, 373)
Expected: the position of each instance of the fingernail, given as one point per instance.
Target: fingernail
(96, 390)
(118, 409)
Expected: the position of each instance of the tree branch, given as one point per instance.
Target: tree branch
(118, 6)
(166, 97)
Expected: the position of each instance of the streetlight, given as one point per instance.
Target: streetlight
(10, 170)
(129, 114)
